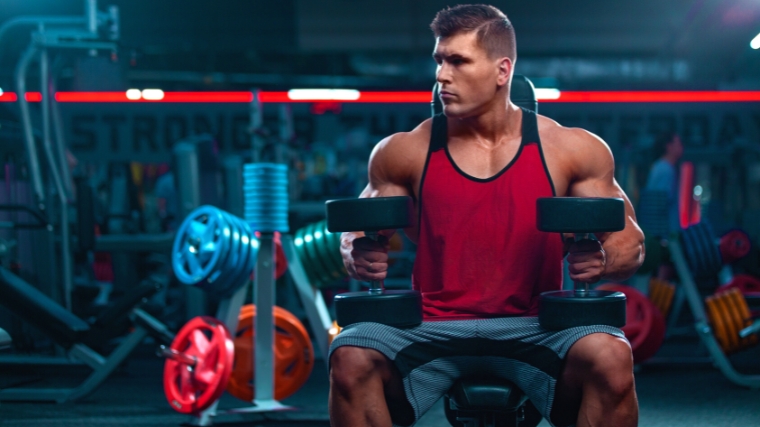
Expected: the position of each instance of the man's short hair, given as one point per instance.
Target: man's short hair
(495, 33)
(661, 142)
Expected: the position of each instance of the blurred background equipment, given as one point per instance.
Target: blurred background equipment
(156, 158)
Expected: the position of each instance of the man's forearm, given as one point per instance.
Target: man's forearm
(623, 256)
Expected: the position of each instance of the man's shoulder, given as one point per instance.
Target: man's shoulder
(406, 143)
(563, 139)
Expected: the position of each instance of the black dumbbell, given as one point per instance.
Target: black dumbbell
(398, 308)
(580, 307)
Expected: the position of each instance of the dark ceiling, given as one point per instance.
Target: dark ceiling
(574, 44)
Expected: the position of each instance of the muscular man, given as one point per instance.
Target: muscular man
(475, 173)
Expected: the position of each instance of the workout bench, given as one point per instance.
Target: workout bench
(77, 336)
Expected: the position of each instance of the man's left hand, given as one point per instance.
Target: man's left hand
(586, 260)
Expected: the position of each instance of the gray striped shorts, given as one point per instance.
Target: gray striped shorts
(432, 356)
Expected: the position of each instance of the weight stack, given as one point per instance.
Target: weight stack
(652, 213)
(265, 188)
(701, 250)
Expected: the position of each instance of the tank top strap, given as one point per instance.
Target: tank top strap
(529, 127)
(438, 133)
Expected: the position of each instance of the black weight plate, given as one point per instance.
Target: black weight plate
(567, 309)
(712, 249)
(580, 214)
(369, 214)
(688, 244)
(398, 308)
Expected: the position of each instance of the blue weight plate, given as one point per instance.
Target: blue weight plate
(252, 196)
(237, 265)
(195, 250)
(246, 261)
(217, 280)
(226, 281)
(265, 171)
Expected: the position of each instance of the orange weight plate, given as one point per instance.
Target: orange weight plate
(717, 322)
(293, 355)
(744, 318)
(730, 327)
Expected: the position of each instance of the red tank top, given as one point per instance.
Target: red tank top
(479, 253)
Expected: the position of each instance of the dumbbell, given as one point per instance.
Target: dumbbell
(398, 308)
(581, 306)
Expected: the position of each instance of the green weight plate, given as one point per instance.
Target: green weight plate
(333, 240)
(310, 245)
(323, 250)
(305, 261)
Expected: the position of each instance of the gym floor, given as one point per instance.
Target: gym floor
(669, 395)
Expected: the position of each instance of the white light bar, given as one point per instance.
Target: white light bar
(547, 93)
(153, 94)
(1, 91)
(755, 43)
(323, 94)
(134, 94)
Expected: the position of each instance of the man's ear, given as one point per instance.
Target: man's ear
(505, 70)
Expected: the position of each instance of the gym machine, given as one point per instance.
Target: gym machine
(93, 31)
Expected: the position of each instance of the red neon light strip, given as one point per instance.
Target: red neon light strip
(664, 96)
(8, 97)
(397, 97)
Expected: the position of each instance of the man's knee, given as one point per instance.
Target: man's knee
(351, 367)
(607, 362)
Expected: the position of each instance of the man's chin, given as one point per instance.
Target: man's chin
(455, 112)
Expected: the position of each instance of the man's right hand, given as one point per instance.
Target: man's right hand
(365, 259)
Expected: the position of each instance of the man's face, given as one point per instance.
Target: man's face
(467, 77)
(675, 148)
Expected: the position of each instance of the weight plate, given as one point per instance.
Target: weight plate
(293, 355)
(192, 389)
(323, 251)
(729, 328)
(397, 308)
(201, 248)
(741, 304)
(298, 243)
(311, 252)
(735, 313)
(567, 309)
(718, 323)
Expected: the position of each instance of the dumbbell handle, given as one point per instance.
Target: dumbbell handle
(751, 329)
(581, 288)
(375, 286)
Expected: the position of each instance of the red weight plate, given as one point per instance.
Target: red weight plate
(190, 389)
(645, 325)
(734, 245)
(280, 262)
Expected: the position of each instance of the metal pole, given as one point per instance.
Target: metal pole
(60, 142)
(264, 298)
(55, 173)
(186, 177)
(26, 120)
(255, 115)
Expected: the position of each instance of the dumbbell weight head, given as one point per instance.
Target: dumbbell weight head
(580, 307)
(399, 308)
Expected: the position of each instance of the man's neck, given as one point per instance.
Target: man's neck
(670, 159)
(498, 123)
